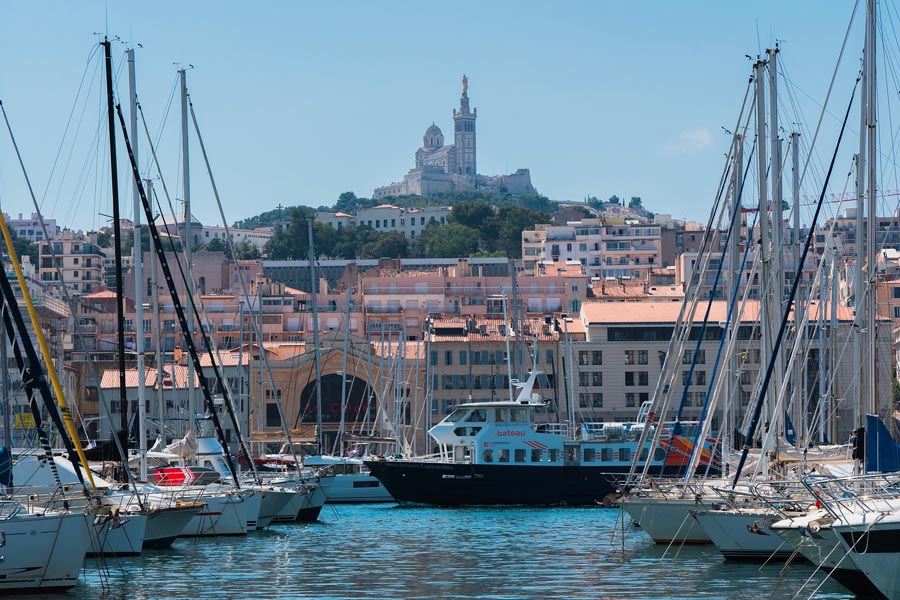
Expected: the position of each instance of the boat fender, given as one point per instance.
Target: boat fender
(134, 508)
(815, 527)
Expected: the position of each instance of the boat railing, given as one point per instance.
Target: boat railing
(843, 496)
(9, 509)
(553, 428)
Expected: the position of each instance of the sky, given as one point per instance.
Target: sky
(300, 101)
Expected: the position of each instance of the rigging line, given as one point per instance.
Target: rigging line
(257, 323)
(179, 310)
(69, 122)
(65, 290)
(828, 98)
(794, 285)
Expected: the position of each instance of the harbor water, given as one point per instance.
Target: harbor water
(385, 551)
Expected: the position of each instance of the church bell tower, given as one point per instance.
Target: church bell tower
(464, 133)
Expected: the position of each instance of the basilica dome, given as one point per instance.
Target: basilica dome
(433, 138)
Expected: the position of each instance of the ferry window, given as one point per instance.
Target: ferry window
(624, 454)
(500, 415)
(553, 455)
(604, 454)
(487, 456)
(519, 455)
(645, 452)
(504, 455)
(659, 454)
(519, 415)
(537, 455)
(456, 415)
(590, 455)
(478, 415)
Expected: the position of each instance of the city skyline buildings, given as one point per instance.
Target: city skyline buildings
(298, 103)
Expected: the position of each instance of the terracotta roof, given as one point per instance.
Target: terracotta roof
(103, 294)
(412, 350)
(227, 358)
(110, 377)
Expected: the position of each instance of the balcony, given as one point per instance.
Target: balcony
(384, 310)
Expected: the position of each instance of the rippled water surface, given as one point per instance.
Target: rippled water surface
(383, 551)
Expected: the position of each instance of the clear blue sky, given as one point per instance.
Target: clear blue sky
(300, 101)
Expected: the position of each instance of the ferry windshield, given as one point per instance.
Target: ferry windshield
(478, 415)
(457, 415)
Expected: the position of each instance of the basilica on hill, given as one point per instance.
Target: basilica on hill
(452, 167)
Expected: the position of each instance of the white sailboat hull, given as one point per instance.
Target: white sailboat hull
(743, 534)
(225, 513)
(668, 519)
(118, 535)
(272, 502)
(354, 488)
(43, 551)
(875, 550)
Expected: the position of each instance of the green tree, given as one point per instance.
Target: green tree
(471, 213)
(216, 245)
(513, 221)
(391, 244)
(24, 248)
(452, 240)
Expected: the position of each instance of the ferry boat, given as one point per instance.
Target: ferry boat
(495, 453)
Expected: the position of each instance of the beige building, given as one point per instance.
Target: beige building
(80, 262)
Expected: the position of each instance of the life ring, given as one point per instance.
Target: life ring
(815, 526)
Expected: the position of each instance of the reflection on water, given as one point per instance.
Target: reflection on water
(382, 551)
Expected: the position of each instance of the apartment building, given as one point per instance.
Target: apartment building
(30, 228)
(410, 222)
(80, 262)
(605, 247)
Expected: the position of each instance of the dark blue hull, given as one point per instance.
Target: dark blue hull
(448, 484)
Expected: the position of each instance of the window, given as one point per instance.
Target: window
(701, 377)
(549, 357)
(688, 357)
(629, 378)
(462, 357)
(448, 357)
(537, 455)
(583, 400)
(624, 454)
(434, 358)
(895, 292)
(596, 400)
(582, 357)
(583, 379)
(629, 400)
(597, 357)
(553, 455)
(504, 455)
(519, 455)
(897, 312)
(273, 417)
(643, 378)
(597, 379)
(643, 397)
(487, 456)
(635, 357)
(590, 455)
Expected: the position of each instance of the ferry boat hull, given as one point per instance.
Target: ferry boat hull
(458, 484)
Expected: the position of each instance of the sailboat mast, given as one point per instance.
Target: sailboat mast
(734, 383)
(314, 284)
(765, 270)
(344, 374)
(800, 395)
(137, 257)
(4, 379)
(872, 212)
(117, 232)
(157, 338)
(189, 281)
